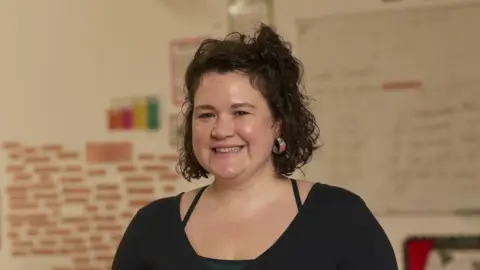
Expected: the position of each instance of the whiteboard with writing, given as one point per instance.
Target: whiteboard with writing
(397, 99)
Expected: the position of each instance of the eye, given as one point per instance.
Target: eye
(240, 113)
(206, 115)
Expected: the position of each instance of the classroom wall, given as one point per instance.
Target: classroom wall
(63, 64)
(397, 227)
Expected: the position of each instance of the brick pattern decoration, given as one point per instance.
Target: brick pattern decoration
(59, 205)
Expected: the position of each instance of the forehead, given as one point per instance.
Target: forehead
(227, 88)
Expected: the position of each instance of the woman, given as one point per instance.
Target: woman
(248, 125)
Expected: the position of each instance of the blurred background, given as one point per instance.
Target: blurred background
(91, 91)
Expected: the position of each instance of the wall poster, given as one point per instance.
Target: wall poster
(442, 253)
(182, 52)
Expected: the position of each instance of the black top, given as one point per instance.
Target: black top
(334, 230)
(216, 264)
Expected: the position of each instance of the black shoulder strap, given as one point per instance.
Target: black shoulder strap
(296, 193)
(192, 206)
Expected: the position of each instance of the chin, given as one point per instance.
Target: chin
(225, 174)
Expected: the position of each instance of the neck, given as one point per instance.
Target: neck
(247, 190)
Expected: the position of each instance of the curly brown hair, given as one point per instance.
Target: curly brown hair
(276, 73)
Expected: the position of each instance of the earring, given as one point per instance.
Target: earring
(279, 146)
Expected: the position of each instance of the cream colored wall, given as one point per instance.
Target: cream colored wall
(62, 62)
(397, 227)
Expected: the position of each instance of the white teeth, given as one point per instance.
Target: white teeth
(228, 150)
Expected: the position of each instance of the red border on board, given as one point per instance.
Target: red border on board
(416, 249)
(175, 42)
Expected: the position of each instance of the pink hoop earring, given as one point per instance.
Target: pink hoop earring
(279, 146)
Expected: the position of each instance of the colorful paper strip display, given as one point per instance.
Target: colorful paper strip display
(138, 114)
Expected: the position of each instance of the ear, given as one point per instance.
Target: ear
(277, 127)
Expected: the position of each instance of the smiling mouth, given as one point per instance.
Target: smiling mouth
(227, 149)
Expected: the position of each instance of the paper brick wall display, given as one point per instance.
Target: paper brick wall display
(442, 252)
(137, 113)
(109, 152)
(59, 205)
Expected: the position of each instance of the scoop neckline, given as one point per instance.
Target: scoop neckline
(274, 246)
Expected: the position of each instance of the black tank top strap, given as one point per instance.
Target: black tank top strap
(296, 193)
(192, 206)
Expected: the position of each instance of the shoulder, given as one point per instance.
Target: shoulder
(334, 196)
(338, 203)
(150, 229)
(171, 208)
(161, 205)
(362, 241)
(159, 213)
(187, 199)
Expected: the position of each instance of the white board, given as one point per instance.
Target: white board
(397, 99)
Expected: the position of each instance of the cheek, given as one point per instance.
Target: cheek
(200, 135)
(249, 127)
(246, 130)
(256, 132)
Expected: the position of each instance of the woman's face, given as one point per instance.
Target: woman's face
(232, 127)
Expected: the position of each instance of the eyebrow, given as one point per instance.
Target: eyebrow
(234, 106)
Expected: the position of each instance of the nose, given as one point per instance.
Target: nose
(223, 127)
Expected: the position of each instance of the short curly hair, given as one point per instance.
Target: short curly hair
(276, 73)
